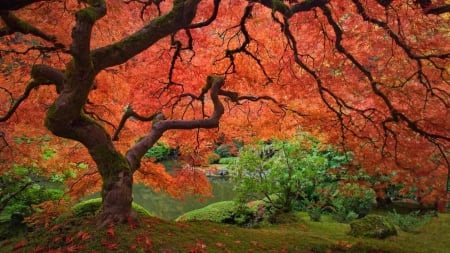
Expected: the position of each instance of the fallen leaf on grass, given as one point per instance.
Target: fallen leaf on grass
(20, 244)
(110, 232)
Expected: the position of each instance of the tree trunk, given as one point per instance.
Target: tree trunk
(117, 198)
(117, 187)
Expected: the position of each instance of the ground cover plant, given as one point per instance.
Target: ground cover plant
(156, 235)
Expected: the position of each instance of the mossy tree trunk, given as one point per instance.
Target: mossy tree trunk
(66, 118)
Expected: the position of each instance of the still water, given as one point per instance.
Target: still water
(166, 207)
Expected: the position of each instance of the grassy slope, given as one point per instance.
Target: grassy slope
(155, 235)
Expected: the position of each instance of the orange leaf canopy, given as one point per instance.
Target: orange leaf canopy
(368, 76)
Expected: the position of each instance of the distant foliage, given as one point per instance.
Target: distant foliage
(22, 187)
(351, 201)
(410, 222)
(159, 152)
(224, 150)
(227, 160)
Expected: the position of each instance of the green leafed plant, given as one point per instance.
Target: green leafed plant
(285, 172)
(159, 152)
(410, 222)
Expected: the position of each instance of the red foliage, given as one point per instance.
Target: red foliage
(368, 78)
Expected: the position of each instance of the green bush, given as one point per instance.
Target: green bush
(224, 151)
(373, 226)
(159, 152)
(410, 222)
(293, 170)
(92, 206)
(29, 187)
(315, 212)
(213, 158)
(352, 201)
(227, 160)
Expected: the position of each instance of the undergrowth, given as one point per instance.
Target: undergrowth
(79, 234)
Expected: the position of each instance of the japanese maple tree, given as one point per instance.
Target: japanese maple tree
(115, 76)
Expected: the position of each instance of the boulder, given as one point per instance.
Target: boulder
(372, 226)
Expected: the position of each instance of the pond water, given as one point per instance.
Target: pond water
(166, 207)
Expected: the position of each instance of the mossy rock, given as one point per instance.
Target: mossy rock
(221, 212)
(92, 206)
(281, 217)
(372, 226)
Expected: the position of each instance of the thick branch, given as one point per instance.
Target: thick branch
(42, 75)
(438, 10)
(81, 33)
(8, 5)
(286, 11)
(135, 154)
(181, 15)
(14, 24)
(130, 113)
(395, 113)
(210, 19)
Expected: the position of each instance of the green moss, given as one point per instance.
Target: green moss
(221, 212)
(90, 14)
(278, 5)
(93, 206)
(372, 226)
(284, 218)
(167, 236)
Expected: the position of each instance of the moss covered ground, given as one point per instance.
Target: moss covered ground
(80, 234)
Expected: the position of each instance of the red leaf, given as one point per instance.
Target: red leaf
(40, 249)
(110, 232)
(83, 235)
(109, 245)
(133, 247)
(20, 244)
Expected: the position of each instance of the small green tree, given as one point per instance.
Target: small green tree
(284, 172)
(22, 187)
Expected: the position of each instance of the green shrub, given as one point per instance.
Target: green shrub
(159, 152)
(213, 158)
(227, 160)
(92, 206)
(373, 226)
(315, 212)
(224, 151)
(292, 170)
(29, 187)
(352, 201)
(410, 222)
(343, 215)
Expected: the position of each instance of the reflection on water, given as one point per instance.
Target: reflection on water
(166, 207)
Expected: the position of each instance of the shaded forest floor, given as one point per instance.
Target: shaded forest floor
(156, 235)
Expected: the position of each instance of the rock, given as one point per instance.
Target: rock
(372, 226)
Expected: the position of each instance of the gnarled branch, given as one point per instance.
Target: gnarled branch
(14, 24)
(42, 75)
(135, 154)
